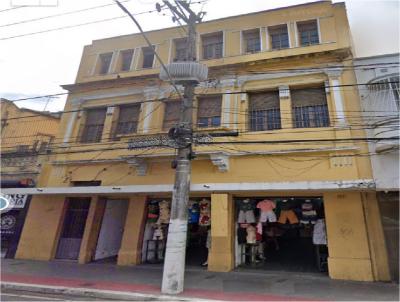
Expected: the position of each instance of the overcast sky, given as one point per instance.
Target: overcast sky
(38, 64)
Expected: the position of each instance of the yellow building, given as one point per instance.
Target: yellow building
(276, 78)
(25, 136)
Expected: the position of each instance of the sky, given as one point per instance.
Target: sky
(34, 65)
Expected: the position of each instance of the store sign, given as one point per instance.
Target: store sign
(12, 201)
(7, 224)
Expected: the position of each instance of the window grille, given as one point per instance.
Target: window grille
(105, 61)
(171, 114)
(93, 129)
(384, 93)
(126, 57)
(279, 36)
(252, 40)
(310, 108)
(308, 32)
(128, 119)
(209, 111)
(212, 46)
(264, 111)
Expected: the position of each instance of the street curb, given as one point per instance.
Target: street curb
(93, 293)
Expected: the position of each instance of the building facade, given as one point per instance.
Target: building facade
(275, 78)
(380, 105)
(25, 136)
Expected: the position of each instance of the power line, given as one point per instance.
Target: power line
(12, 8)
(124, 84)
(75, 25)
(58, 15)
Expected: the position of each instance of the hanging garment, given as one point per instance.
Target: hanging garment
(246, 217)
(193, 212)
(165, 211)
(205, 213)
(241, 234)
(251, 234)
(266, 207)
(288, 215)
(308, 213)
(152, 213)
(319, 234)
(158, 233)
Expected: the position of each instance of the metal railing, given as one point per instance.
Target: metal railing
(311, 116)
(261, 120)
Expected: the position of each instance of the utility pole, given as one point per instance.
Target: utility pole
(174, 263)
(187, 73)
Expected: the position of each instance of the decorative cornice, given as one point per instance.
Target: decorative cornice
(221, 161)
(139, 163)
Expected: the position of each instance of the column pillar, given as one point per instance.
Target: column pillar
(285, 107)
(349, 252)
(376, 237)
(75, 104)
(108, 123)
(221, 256)
(131, 245)
(337, 96)
(42, 227)
(228, 102)
(92, 230)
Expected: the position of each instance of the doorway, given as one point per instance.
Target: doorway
(74, 223)
(111, 230)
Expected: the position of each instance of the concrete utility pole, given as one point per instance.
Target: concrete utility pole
(174, 265)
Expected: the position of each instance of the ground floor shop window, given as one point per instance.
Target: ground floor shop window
(285, 233)
(156, 230)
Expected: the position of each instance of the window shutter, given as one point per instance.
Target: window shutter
(264, 101)
(308, 97)
(171, 114)
(96, 116)
(129, 113)
(210, 106)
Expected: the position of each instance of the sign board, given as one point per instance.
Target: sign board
(16, 201)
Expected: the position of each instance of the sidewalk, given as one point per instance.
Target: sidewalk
(244, 285)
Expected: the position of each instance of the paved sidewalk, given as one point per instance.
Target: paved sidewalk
(243, 285)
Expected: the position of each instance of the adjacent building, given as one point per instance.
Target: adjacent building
(378, 79)
(276, 77)
(26, 135)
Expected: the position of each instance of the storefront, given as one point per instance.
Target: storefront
(156, 230)
(281, 234)
(13, 218)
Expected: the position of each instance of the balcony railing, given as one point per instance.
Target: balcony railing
(381, 102)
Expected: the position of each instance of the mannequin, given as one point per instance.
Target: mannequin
(246, 211)
(164, 212)
(287, 213)
(251, 234)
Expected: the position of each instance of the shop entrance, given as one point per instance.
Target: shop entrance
(74, 223)
(111, 230)
(281, 234)
(156, 231)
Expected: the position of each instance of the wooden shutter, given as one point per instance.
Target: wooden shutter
(129, 113)
(209, 106)
(96, 116)
(264, 100)
(308, 97)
